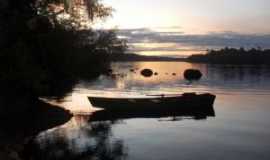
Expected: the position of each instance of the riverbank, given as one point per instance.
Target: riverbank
(17, 129)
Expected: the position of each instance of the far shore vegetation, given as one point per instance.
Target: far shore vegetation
(225, 55)
(239, 56)
(130, 57)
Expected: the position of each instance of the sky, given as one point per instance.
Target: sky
(187, 26)
(193, 16)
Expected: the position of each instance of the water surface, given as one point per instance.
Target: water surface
(239, 129)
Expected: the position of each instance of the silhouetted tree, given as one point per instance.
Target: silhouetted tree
(46, 45)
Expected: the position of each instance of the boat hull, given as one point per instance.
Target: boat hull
(190, 100)
(172, 115)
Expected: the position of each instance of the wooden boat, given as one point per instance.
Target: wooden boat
(157, 102)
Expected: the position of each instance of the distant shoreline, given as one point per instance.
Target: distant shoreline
(234, 56)
(130, 57)
(222, 56)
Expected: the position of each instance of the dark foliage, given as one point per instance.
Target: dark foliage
(234, 56)
(41, 55)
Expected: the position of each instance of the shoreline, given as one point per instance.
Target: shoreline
(19, 128)
(200, 58)
(130, 57)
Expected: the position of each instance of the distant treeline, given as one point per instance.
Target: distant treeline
(129, 57)
(233, 56)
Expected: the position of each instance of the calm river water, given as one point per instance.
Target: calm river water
(239, 129)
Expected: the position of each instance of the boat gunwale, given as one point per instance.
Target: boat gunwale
(151, 97)
(140, 98)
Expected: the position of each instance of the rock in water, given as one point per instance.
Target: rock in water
(147, 72)
(192, 74)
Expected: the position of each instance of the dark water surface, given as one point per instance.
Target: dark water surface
(239, 129)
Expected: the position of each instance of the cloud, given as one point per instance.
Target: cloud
(199, 42)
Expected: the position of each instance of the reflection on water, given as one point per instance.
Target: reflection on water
(237, 128)
(93, 136)
(78, 139)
